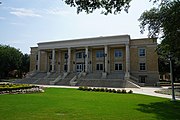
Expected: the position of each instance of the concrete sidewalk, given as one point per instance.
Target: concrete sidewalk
(142, 90)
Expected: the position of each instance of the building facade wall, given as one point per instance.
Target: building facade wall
(111, 44)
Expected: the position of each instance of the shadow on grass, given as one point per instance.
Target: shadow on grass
(167, 110)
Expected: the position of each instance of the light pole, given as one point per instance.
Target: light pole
(171, 77)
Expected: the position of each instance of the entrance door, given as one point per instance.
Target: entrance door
(79, 67)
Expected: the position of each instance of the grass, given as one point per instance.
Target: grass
(72, 104)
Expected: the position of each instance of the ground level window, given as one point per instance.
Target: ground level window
(118, 66)
(65, 68)
(36, 67)
(142, 79)
(142, 66)
(99, 66)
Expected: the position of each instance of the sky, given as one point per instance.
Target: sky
(24, 23)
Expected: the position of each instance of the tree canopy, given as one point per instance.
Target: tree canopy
(12, 59)
(164, 23)
(107, 6)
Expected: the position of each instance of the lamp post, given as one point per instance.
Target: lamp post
(84, 66)
(104, 60)
(66, 57)
(171, 77)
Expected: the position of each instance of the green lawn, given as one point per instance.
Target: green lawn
(72, 104)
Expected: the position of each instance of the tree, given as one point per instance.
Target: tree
(10, 59)
(107, 6)
(163, 22)
(25, 63)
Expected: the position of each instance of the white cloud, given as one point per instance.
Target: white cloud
(24, 12)
(15, 23)
(57, 11)
(2, 18)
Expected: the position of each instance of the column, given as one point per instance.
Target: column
(53, 60)
(86, 60)
(59, 61)
(106, 57)
(127, 74)
(39, 60)
(69, 60)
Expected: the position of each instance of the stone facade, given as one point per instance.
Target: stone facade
(134, 58)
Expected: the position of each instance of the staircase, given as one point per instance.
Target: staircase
(66, 80)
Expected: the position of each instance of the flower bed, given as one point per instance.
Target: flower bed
(8, 88)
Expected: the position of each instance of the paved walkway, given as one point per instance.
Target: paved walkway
(142, 90)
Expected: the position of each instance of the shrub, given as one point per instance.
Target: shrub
(80, 88)
(106, 90)
(85, 88)
(114, 91)
(130, 91)
(89, 89)
(123, 91)
(97, 89)
(102, 90)
(94, 89)
(109, 90)
(118, 91)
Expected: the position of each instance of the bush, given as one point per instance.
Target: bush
(89, 89)
(109, 90)
(114, 91)
(124, 91)
(94, 89)
(85, 88)
(106, 90)
(97, 89)
(130, 91)
(118, 91)
(80, 88)
(102, 90)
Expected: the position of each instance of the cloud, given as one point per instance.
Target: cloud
(57, 11)
(15, 23)
(2, 18)
(23, 12)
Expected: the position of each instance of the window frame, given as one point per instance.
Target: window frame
(142, 52)
(119, 65)
(99, 54)
(119, 54)
(99, 67)
(142, 66)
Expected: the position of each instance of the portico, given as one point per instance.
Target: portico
(101, 55)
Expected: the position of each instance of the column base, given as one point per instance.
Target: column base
(104, 74)
(127, 76)
(84, 74)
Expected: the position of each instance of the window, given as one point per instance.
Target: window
(99, 66)
(65, 55)
(117, 53)
(50, 56)
(118, 66)
(50, 68)
(99, 54)
(142, 52)
(65, 68)
(80, 55)
(36, 57)
(142, 79)
(36, 67)
(142, 66)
